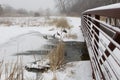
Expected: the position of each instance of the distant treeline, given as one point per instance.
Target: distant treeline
(8, 11)
(66, 7)
(76, 7)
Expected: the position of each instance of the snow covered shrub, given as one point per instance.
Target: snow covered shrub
(56, 56)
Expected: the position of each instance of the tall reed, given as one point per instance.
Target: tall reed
(56, 56)
(12, 70)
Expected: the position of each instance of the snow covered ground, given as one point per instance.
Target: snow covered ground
(15, 38)
(72, 71)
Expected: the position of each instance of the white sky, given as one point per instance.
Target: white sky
(30, 4)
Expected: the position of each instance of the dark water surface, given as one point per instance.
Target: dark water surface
(74, 51)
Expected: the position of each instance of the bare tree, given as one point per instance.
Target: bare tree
(22, 11)
(1, 10)
(82, 5)
(61, 5)
(48, 13)
(114, 1)
(64, 5)
(36, 14)
(10, 11)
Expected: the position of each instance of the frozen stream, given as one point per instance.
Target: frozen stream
(27, 45)
(34, 46)
(33, 43)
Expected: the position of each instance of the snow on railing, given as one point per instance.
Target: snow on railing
(103, 41)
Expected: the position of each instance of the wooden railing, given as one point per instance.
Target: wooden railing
(101, 30)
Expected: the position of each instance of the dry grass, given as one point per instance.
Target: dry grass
(1, 70)
(54, 21)
(12, 70)
(60, 23)
(35, 22)
(54, 78)
(16, 71)
(6, 22)
(56, 56)
(71, 36)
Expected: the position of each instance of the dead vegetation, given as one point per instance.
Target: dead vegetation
(54, 78)
(56, 57)
(35, 22)
(71, 36)
(6, 22)
(12, 70)
(61, 23)
(1, 70)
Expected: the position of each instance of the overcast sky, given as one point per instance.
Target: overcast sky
(30, 4)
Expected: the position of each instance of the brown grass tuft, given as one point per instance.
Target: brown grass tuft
(1, 70)
(56, 56)
(13, 71)
(71, 36)
(6, 22)
(54, 78)
(60, 23)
